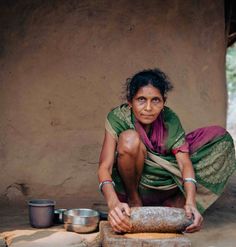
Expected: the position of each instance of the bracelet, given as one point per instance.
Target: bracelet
(105, 182)
(191, 180)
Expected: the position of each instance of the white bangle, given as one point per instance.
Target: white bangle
(191, 180)
(105, 182)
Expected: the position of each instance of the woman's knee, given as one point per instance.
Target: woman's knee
(217, 130)
(129, 142)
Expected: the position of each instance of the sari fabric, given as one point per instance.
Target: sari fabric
(211, 151)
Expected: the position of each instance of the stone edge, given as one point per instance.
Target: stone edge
(108, 239)
(2, 242)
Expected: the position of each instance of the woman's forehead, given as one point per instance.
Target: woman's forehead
(148, 90)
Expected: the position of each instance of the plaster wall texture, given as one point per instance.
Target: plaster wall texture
(63, 64)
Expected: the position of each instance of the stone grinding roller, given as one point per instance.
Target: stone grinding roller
(158, 219)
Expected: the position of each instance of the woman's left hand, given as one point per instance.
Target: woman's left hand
(192, 213)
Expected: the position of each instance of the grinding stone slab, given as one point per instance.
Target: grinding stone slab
(110, 239)
(158, 219)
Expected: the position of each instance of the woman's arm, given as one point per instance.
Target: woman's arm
(117, 218)
(187, 171)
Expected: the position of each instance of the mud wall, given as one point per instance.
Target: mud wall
(63, 64)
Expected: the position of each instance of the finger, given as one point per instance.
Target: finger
(119, 220)
(192, 229)
(201, 221)
(188, 212)
(123, 219)
(121, 213)
(116, 229)
(114, 225)
(198, 219)
(127, 209)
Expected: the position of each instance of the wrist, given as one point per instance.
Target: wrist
(112, 203)
(104, 182)
(190, 203)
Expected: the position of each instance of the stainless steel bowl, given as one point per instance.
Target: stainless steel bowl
(81, 220)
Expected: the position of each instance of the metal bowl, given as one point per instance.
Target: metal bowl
(81, 220)
(80, 228)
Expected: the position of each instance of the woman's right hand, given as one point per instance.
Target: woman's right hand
(118, 217)
(192, 213)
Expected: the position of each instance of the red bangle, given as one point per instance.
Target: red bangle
(108, 181)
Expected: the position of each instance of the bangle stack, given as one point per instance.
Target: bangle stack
(191, 180)
(108, 181)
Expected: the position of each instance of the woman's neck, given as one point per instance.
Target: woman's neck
(147, 128)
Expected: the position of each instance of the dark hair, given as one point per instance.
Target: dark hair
(155, 77)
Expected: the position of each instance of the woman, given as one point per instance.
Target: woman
(146, 159)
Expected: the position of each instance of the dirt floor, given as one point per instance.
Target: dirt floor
(218, 231)
(219, 221)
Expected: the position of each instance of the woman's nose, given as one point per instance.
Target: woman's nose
(148, 106)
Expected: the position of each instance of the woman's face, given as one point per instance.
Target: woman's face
(147, 104)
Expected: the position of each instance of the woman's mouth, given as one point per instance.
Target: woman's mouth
(147, 116)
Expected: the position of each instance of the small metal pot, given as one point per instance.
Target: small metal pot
(41, 212)
(102, 208)
(59, 215)
(81, 220)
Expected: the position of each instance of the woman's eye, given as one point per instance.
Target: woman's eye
(156, 100)
(141, 99)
